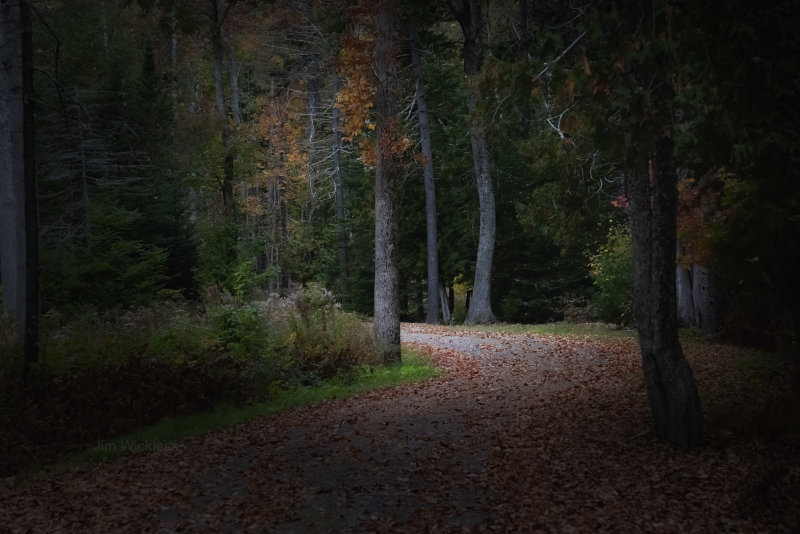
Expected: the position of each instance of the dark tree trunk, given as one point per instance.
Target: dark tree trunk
(338, 195)
(432, 315)
(445, 303)
(471, 20)
(226, 184)
(19, 219)
(451, 297)
(387, 174)
(795, 307)
(671, 389)
(706, 314)
(683, 293)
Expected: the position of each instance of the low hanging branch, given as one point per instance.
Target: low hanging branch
(560, 56)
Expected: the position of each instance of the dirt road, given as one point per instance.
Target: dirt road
(523, 433)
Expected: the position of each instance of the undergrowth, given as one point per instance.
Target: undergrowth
(165, 433)
(102, 375)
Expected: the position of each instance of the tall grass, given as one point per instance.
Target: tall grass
(102, 374)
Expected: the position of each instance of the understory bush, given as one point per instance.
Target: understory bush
(102, 375)
(612, 272)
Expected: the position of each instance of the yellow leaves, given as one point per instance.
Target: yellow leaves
(421, 159)
(586, 68)
(367, 148)
(251, 206)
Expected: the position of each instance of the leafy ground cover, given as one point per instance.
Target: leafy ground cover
(523, 432)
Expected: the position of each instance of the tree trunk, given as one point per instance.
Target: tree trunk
(683, 289)
(471, 21)
(795, 307)
(432, 315)
(226, 184)
(312, 90)
(173, 57)
(445, 303)
(671, 389)
(705, 304)
(683, 293)
(387, 174)
(341, 234)
(233, 74)
(19, 220)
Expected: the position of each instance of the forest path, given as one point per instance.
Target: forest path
(522, 433)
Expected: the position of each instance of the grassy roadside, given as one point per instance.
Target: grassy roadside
(167, 432)
(596, 330)
(562, 328)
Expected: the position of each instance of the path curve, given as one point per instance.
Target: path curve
(522, 433)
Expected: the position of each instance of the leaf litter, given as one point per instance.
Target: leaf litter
(522, 433)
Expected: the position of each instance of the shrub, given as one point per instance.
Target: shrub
(319, 338)
(612, 272)
(101, 374)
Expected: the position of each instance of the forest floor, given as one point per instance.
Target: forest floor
(522, 433)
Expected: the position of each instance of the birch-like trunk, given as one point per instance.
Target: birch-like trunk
(338, 193)
(471, 20)
(313, 112)
(387, 174)
(432, 313)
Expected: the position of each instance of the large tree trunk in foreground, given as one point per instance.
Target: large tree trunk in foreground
(19, 219)
(432, 314)
(471, 21)
(387, 175)
(671, 389)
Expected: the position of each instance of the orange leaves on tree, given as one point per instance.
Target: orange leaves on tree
(355, 100)
(392, 141)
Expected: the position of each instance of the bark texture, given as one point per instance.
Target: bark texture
(445, 303)
(387, 174)
(706, 314)
(19, 222)
(432, 312)
(671, 389)
(471, 20)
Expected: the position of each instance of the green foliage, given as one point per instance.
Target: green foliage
(241, 330)
(114, 270)
(415, 367)
(102, 374)
(612, 272)
(321, 339)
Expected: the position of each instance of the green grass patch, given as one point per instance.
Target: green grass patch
(164, 434)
